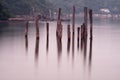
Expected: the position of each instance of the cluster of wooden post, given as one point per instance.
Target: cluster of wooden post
(83, 30)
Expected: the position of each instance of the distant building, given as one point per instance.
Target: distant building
(105, 11)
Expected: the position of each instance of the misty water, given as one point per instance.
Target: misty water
(48, 59)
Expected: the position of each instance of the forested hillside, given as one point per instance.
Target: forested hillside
(96, 5)
(26, 7)
(3, 13)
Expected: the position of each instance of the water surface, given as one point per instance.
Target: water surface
(47, 58)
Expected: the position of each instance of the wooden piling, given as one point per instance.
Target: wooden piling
(59, 19)
(78, 32)
(69, 38)
(91, 24)
(59, 25)
(81, 32)
(78, 35)
(47, 27)
(47, 42)
(73, 30)
(37, 26)
(73, 20)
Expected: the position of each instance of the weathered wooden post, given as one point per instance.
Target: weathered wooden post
(81, 36)
(47, 28)
(84, 31)
(37, 26)
(91, 37)
(85, 19)
(81, 32)
(91, 23)
(59, 34)
(26, 29)
(73, 20)
(59, 25)
(73, 30)
(78, 35)
(68, 32)
(69, 38)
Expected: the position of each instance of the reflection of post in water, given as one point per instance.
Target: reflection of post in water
(91, 24)
(91, 37)
(26, 35)
(73, 46)
(90, 55)
(69, 36)
(37, 49)
(84, 41)
(26, 43)
(78, 37)
(47, 43)
(26, 28)
(85, 48)
(59, 47)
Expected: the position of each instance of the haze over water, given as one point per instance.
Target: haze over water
(48, 59)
